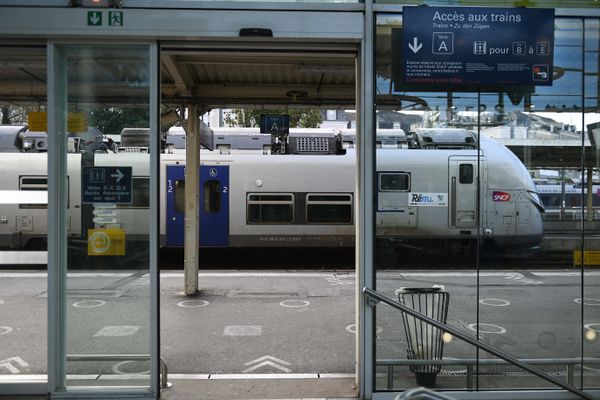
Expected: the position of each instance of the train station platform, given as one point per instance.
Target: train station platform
(242, 388)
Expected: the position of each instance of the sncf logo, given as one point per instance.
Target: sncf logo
(501, 196)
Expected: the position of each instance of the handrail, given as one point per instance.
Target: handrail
(483, 346)
(124, 357)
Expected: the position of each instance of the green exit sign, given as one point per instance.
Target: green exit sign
(115, 18)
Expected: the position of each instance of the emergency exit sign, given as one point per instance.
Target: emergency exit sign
(474, 46)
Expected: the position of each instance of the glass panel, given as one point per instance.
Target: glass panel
(495, 3)
(329, 209)
(212, 196)
(394, 182)
(23, 217)
(591, 293)
(426, 235)
(270, 208)
(501, 228)
(108, 316)
(180, 196)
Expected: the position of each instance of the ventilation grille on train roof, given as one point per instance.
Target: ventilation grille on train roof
(312, 145)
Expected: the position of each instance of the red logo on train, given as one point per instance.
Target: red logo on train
(501, 196)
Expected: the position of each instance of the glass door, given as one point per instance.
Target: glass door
(103, 172)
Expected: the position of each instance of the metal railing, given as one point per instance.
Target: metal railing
(375, 298)
(124, 357)
(470, 363)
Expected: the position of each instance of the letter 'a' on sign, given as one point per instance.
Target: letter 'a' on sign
(274, 123)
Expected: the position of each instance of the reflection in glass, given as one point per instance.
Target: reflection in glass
(108, 316)
(510, 210)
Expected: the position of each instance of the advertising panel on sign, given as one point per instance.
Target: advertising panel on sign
(473, 47)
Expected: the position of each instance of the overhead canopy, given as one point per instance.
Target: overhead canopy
(210, 74)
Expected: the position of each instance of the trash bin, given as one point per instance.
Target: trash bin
(424, 340)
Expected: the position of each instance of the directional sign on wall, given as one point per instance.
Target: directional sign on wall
(473, 46)
(106, 185)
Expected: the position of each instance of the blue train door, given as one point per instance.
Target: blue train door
(175, 204)
(214, 205)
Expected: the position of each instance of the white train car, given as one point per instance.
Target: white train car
(429, 195)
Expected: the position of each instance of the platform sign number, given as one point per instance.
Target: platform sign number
(274, 123)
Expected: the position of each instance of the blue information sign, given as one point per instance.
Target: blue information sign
(474, 46)
(274, 123)
(106, 185)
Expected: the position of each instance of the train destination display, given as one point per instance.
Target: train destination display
(474, 46)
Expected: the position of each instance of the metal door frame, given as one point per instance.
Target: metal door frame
(57, 224)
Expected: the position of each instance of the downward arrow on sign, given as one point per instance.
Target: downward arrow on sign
(415, 46)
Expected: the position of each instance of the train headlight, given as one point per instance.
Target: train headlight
(27, 144)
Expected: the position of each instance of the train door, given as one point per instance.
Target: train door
(214, 200)
(214, 205)
(462, 182)
(175, 205)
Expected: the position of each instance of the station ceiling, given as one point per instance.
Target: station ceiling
(211, 74)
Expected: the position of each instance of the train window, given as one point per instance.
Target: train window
(212, 196)
(394, 182)
(36, 183)
(465, 173)
(329, 208)
(270, 208)
(179, 196)
(140, 195)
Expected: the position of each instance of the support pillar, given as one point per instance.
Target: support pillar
(192, 202)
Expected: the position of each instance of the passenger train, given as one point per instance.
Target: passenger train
(426, 197)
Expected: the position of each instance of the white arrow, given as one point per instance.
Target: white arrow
(11, 368)
(95, 18)
(415, 46)
(266, 361)
(119, 175)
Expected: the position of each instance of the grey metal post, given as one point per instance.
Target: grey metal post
(57, 216)
(192, 201)
(364, 200)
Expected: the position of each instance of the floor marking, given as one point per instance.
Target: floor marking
(116, 369)
(499, 329)
(495, 302)
(89, 303)
(588, 301)
(242, 330)
(193, 303)
(294, 303)
(8, 364)
(352, 328)
(589, 326)
(460, 371)
(5, 329)
(267, 361)
(336, 280)
(118, 330)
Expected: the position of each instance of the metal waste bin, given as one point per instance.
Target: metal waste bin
(424, 340)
